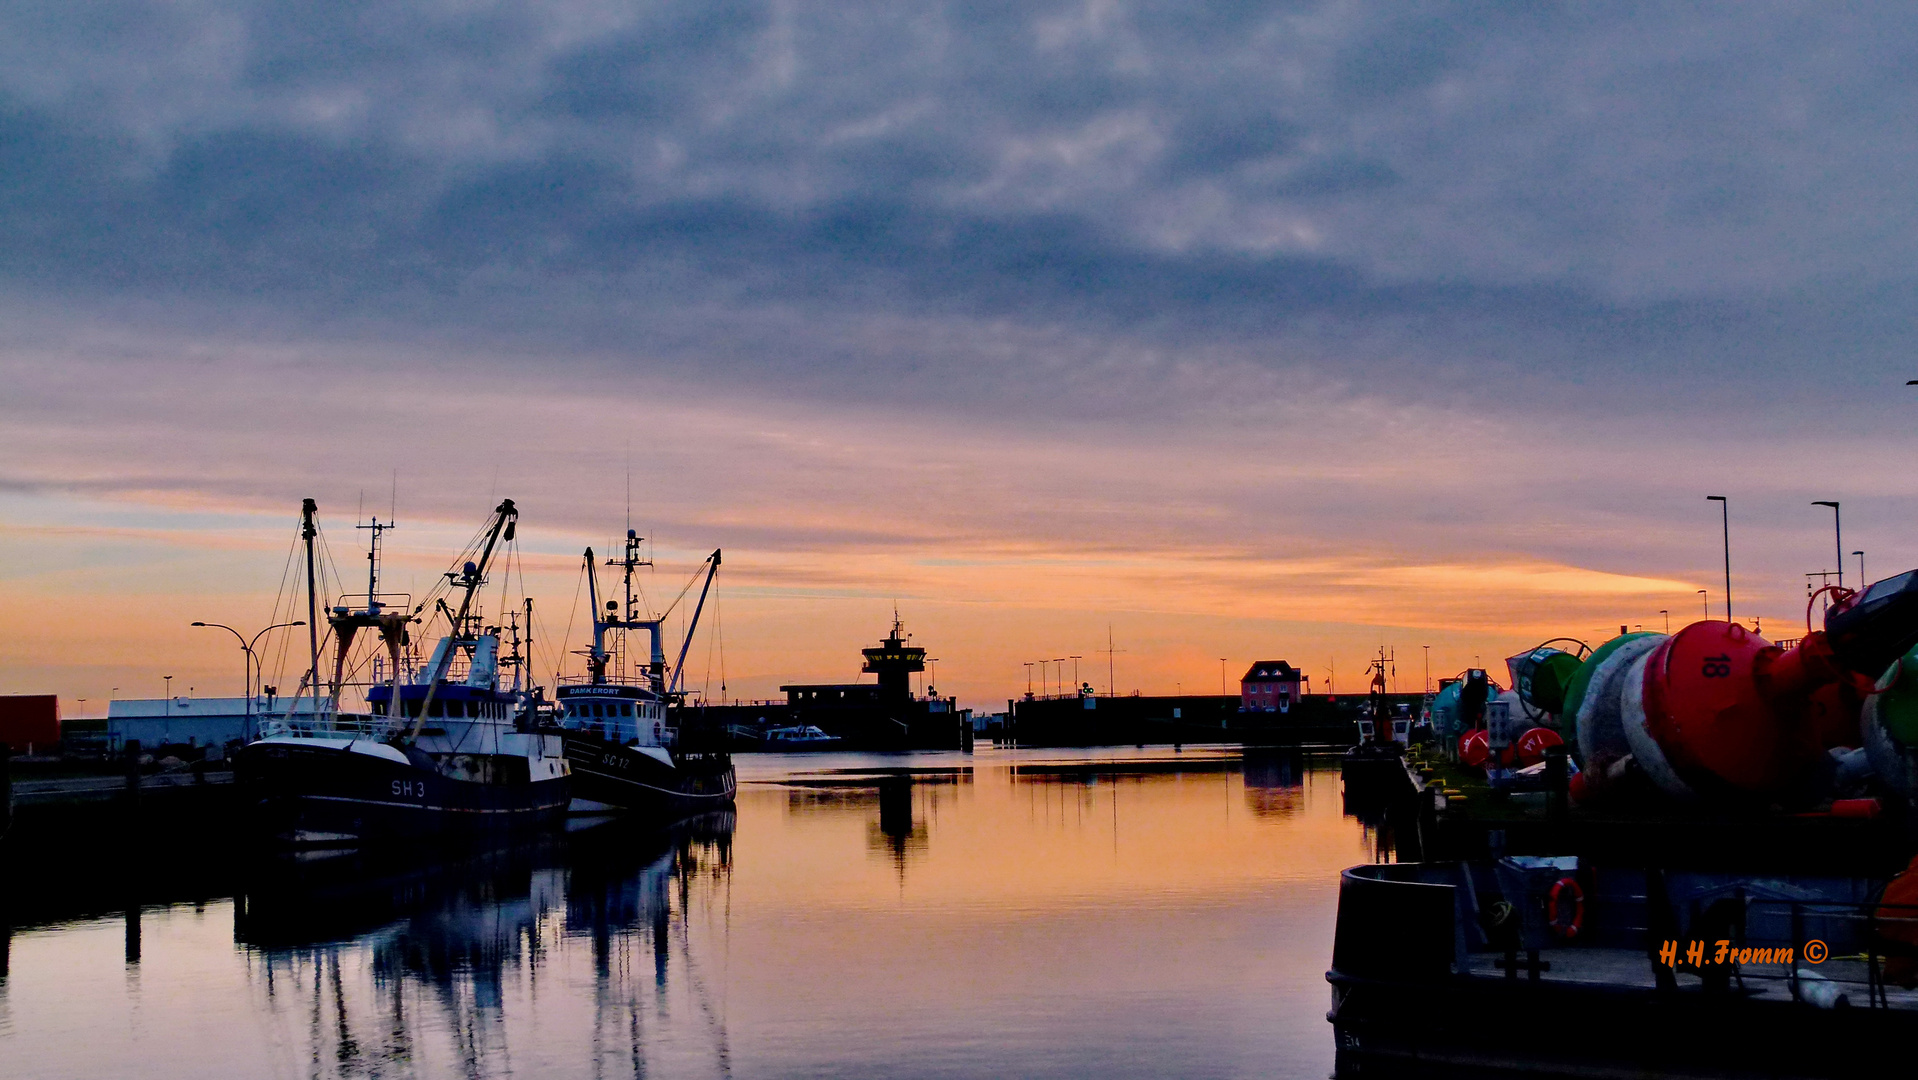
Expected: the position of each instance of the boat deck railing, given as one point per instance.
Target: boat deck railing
(1879, 940)
(1417, 921)
(375, 728)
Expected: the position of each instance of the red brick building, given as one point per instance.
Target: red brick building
(30, 723)
(1269, 686)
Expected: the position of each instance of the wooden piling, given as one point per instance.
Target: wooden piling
(6, 793)
(1557, 785)
(133, 774)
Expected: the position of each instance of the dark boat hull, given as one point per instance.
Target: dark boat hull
(324, 795)
(608, 775)
(1477, 1027)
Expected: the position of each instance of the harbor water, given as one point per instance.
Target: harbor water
(1005, 913)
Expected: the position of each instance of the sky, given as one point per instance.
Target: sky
(1240, 331)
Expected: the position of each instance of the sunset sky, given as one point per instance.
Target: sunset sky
(1245, 330)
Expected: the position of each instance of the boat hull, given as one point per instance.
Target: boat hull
(332, 795)
(607, 776)
(1482, 1027)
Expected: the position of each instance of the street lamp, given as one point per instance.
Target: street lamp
(1861, 568)
(1838, 539)
(1222, 692)
(1668, 621)
(1428, 668)
(169, 694)
(1705, 599)
(1726, 508)
(248, 656)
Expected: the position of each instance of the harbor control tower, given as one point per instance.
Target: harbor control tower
(895, 662)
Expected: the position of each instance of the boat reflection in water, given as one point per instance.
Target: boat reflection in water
(379, 967)
(1126, 913)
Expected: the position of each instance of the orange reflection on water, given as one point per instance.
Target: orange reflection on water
(1030, 830)
(1111, 913)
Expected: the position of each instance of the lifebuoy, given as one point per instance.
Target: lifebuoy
(1555, 908)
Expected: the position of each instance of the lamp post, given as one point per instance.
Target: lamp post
(1861, 569)
(1428, 668)
(1725, 506)
(1222, 692)
(1061, 676)
(248, 656)
(1705, 599)
(1838, 538)
(1668, 621)
(248, 660)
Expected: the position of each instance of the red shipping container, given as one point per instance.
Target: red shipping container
(30, 720)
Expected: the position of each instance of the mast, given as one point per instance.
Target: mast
(680, 667)
(629, 615)
(373, 561)
(309, 530)
(596, 659)
(470, 578)
(611, 616)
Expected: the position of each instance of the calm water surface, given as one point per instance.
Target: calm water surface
(1007, 913)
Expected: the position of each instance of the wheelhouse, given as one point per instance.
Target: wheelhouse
(626, 715)
(452, 701)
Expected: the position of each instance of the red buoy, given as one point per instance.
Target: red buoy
(1531, 745)
(1474, 748)
(1718, 702)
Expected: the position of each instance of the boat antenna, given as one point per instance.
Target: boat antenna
(373, 559)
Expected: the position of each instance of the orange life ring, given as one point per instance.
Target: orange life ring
(1568, 929)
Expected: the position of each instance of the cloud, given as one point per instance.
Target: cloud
(1432, 285)
(1288, 158)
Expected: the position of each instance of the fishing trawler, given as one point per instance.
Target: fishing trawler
(626, 753)
(441, 748)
